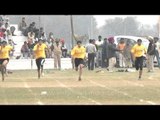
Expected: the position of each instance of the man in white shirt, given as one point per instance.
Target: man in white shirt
(99, 44)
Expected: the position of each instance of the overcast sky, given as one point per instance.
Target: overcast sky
(144, 19)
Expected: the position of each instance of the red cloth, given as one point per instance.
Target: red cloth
(62, 40)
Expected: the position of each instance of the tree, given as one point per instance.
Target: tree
(120, 26)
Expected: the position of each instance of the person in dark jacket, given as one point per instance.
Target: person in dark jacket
(105, 53)
(150, 55)
(112, 54)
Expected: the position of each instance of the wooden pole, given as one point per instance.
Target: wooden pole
(72, 31)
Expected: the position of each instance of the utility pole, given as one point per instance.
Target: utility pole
(39, 21)
(72, 31)
(142, 29)
(159, 27)
(124, 24)
(91, 35)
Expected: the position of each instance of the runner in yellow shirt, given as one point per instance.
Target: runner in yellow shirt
(39, 54)
(79, 53)
(139, 52)
(4, 57)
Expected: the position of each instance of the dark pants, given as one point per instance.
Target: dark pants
(105, 61)
(139, 63)
(91, 57)
(64, 53)
(157, 57)
(39, 63)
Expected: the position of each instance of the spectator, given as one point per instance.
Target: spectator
(25, 50)
(31, 37)
(23, 25)
(112, 54)
(127, 55)
(150, 55)
(57, 54)
(64, 49)
(99, 44)
(105, 53)
(157, 49)
(121, 46)
(91, 50)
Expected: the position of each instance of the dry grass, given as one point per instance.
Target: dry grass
(63, 87)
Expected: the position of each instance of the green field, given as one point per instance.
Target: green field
(63, 88)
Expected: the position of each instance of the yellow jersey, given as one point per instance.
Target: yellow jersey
(4, 51)
(138, 50)
(39, 50)
(78, 52)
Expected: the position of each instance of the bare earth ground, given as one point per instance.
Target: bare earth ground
(63, 88)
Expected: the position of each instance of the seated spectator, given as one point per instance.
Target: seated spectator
(7, 21)
(23, 25)
(25, 50)
(12, 29)
(50, 37)
(10, 42)
(8, 34)
(31, 37)
(2, 32)
(43, 36)
(41, 31)
(6, 26)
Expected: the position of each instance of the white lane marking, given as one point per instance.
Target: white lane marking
(141, 100)
(63, 85)
(38, 100)
(150, 102)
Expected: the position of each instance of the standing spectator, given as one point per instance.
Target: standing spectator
(99, 44)
(51, 48)
(127, 55)
(105, 53)
(150, 55)
(39, 53)
(79, 53)
(157, 48)
(57, 54)
(95, 59)
(91, 50)
(112, 54)
(138, 51)
(121, 46)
